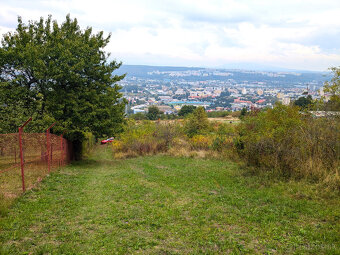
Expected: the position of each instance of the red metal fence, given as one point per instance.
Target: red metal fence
(26, 158)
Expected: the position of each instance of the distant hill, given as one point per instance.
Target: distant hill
(144, 69)
(238, 75)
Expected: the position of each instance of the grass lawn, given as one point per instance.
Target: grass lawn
(165, 205)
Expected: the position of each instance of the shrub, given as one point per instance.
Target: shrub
(224, 137)
(117, 145)
(138, 116)
(145, 138)
(186, 109)
(197, 123)
(304, 102)
(201, 142)
(87, 144)
(218, 114)
(154, 113)
(293, 145)
(236, 114)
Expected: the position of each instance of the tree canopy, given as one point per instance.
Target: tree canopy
(59, 73)
(304, 102)
(197, 123)
(333, 88)
(153, 113)
(186, 109)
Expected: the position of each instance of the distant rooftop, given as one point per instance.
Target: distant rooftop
(189, 102)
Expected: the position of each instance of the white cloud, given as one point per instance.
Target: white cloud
(201, 32)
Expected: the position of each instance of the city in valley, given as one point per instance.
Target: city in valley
(170, 88)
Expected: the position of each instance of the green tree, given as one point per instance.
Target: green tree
(243, 112)
(333, 87)
(59, 73)
(197, 123)
(304, 102)
(153, 113)
(138, 116)
(186, 109)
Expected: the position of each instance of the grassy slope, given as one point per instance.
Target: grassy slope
(167, 205)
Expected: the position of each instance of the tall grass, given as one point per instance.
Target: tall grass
(282, 141)
(291, 144)
(193, 137)
(145, 138)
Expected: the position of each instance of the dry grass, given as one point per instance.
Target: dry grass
(226, 119)
(291, 145)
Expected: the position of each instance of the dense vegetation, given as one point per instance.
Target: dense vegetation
(333, 87)
(59, 73)
(186, 109)
(283, 141)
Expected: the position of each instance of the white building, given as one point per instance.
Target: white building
(286, 101)
(180, 92)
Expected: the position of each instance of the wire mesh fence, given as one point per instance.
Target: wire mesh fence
(26, 158)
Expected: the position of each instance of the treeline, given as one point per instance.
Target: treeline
(154, 113)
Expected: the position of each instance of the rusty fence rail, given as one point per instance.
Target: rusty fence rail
(26, 158)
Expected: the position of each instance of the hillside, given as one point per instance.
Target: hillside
(167, 205)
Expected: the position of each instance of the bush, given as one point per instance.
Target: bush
(236, 114)
(145, 138)
(138, 116)
(197, 123)
(305, 103)
(87, 144)
(200, 142)
(218, 114)
(154, 113)
(224, 137)
(291, 144)
(186, 109)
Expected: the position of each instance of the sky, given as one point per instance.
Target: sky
(289, 34)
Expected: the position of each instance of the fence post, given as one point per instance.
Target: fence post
(22, 163)
(62, 147)
(51, 153)
(48, 147)
(61, 150)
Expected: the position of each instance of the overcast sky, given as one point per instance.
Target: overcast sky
(291, 34)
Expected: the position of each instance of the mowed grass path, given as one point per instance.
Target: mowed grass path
(165, 205)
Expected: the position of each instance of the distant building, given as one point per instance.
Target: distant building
(165, 108)
(138, 111)
(280, 95)
(261, 101)
(194, 103)
(165, 98)
(217, 92)
(286, 101)
(180, 92)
